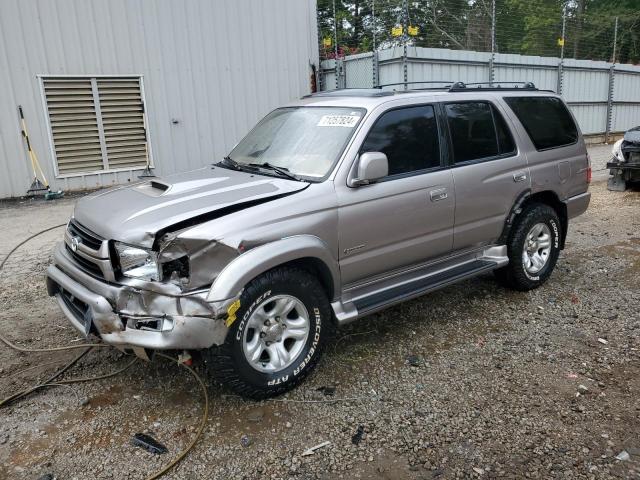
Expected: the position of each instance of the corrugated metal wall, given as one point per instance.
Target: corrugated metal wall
(585, 83)
(210, 69)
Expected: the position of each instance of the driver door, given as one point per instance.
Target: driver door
(407, 217)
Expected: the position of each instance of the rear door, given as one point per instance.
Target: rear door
(407, 217)
(489, 172)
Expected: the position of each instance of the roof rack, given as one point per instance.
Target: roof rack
(465, 87)
(446, 86)
(491, 86)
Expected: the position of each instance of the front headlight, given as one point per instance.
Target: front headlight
(136, 262)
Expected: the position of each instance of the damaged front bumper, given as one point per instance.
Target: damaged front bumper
(130, 317)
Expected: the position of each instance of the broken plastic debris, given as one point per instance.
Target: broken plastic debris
(185, 358)
(602, 341)
(312, 450)
(357, 437)
(148, 443)
(623, 456)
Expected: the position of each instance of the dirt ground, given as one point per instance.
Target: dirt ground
(473, 381)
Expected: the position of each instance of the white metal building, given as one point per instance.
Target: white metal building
(85, 71)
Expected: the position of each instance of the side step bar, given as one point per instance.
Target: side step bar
(421, 286)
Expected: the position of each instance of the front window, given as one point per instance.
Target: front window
(304, 141)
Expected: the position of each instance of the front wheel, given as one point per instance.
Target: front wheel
(281, 328)
(533, 248)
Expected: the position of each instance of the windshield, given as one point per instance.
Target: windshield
(306, 141)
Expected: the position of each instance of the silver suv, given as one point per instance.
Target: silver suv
(332, 208)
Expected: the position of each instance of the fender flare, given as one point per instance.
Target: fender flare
(258, 260)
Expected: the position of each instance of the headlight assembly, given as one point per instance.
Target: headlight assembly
(136, 262)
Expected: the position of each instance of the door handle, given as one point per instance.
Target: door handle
(437, 195)
(519, 177)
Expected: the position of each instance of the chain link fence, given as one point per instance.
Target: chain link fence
(604, 30)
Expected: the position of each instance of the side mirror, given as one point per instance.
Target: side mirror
(371, 166)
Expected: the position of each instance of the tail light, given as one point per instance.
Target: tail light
(588, 168)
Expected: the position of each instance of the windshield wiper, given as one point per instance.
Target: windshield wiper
(284, 172)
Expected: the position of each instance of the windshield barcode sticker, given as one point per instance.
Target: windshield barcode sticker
(349, 121)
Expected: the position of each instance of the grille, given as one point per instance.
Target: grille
(88, 238)
(85, 264)
(77, 307)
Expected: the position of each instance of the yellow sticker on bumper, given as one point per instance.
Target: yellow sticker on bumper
(231, 313)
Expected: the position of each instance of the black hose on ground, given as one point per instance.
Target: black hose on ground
(88, 347)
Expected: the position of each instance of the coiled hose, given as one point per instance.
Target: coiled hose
(87, 348)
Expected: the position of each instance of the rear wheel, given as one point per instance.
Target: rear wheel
(533, 248)
(282, 326)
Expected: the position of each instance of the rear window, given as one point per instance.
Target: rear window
(546, 120)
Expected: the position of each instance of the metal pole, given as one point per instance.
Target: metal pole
(374, 69)
(373, 15)
(612, 77)
(493, 43)
(615, 40)
(405, 38)
(335, 38)
(561, 64)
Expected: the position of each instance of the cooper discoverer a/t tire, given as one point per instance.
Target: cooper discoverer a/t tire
(279, 332)
(533, 248)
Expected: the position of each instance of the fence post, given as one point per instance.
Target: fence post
(404, 66)
(561, 63)
(612, 77)
(374, 69)
(493, 43)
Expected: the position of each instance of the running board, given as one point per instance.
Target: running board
(421, 286)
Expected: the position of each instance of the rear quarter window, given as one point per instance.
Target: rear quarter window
(546, 120)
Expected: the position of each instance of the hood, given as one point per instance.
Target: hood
(136, 213)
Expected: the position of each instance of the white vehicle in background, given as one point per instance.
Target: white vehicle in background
(624, 167)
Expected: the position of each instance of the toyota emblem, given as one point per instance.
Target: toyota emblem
(75, 241)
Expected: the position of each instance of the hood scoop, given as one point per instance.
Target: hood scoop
(159, 185)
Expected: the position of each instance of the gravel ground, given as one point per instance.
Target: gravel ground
(473, 381)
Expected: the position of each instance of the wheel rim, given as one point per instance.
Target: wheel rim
(276, 333)
(537, 248)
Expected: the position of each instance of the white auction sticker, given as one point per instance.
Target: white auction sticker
(349, 121)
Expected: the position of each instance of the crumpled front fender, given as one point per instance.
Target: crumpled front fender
(258, 260)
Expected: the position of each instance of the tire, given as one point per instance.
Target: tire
(261, 326)
(522, 274)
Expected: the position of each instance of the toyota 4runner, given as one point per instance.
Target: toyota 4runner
(332, 208)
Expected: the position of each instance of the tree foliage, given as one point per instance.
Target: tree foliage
(531, 27)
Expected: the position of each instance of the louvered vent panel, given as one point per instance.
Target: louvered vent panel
(74, 126)
(123, 121)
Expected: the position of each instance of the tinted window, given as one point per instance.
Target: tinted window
(505, 140)
(408, 137)
(472, 131)
(546, 120)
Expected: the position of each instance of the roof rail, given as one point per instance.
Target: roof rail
(491, 86)
(348, 92)
(449, 82)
